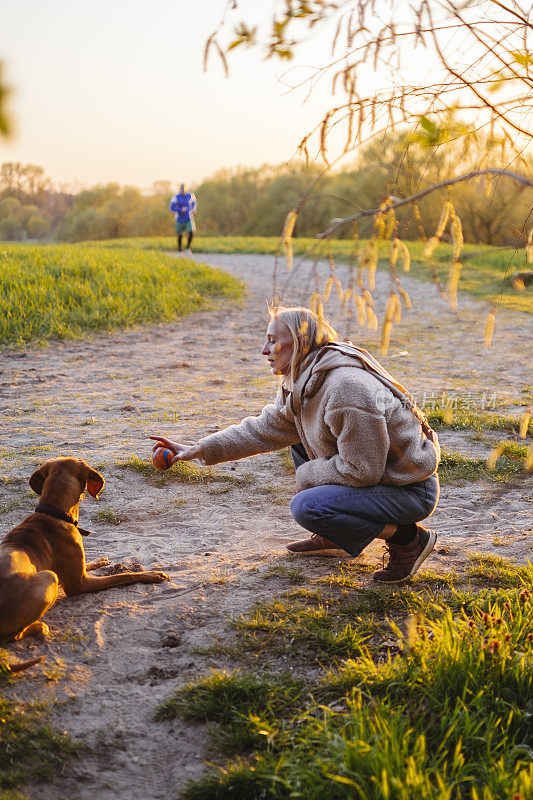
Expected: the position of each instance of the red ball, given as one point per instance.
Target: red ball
(162, 458)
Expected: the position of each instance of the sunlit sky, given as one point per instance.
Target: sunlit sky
(110, 90)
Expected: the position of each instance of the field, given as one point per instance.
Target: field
(66, 291)
(485, 273)
(253, 674)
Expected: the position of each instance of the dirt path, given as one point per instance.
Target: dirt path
(114, 656)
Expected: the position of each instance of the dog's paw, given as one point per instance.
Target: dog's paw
(100, 562)
(155, 577)
(38, 629)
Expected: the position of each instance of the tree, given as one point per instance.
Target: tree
(480, 59)
(111, 211)
(24, 181)
(476, 86)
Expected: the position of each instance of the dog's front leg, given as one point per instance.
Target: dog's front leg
(96, 583)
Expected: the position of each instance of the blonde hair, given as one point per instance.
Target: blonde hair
(308, 333)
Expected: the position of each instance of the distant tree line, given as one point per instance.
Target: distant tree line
(29, 207)
(248, 202)
(255, 201)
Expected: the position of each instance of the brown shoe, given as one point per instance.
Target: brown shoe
(405, 561)
(315, 546)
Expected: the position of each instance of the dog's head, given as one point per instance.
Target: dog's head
(63, 470)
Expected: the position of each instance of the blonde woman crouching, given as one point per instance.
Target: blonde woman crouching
(365, 457)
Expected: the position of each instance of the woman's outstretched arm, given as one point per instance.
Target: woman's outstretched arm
(182, 452)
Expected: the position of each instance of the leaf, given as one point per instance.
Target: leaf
(236, 43)
(244, 35)
(524, 59)
(283, 53)
(428, 125)
(4, 122)
(343, 779)
(496, 85)
(279, 26)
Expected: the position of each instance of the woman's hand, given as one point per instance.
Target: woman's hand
(182, 452)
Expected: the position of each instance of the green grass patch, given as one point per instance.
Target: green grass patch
(67, 291)
(29, 748)
(220, 695)
(498, 571)
(456, 468)
(441, 710)
(466, 419)
(289, 625)
(244, 707)
(107, 515)
(288, 573)
(349, 574)
(183, 472)
(483, 274)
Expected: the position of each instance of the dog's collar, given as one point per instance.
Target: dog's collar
(53, 511)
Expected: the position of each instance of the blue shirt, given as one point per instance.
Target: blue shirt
(183, 206)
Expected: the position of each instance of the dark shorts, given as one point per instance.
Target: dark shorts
(185, 227)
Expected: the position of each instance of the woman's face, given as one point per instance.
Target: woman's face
(278, 347)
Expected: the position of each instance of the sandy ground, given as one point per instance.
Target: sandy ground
(113, 657)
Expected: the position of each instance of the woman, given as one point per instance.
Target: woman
(366, 460)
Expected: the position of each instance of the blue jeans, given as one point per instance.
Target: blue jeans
(352, 517)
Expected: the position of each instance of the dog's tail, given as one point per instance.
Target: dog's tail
(22, 665)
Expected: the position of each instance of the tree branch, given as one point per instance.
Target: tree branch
(398, 203)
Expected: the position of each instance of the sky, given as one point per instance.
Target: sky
(115, 90)
(110, 90)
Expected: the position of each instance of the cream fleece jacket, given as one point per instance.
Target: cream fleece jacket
(353, 428)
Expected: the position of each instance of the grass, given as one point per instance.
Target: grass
(455, 468)
(508, 459)
(184, 472)
(67, 291)
(107, 515)
(282, 571)
(285, 458)
(29, 748)
(306, 630)
(181, 472)
(483, 274)
(243, 706)
(467, 419)
(439, 706)
(498, 571)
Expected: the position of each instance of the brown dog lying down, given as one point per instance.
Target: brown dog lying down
(46, 550)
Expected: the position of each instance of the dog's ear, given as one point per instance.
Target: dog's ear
(38, 478)
(95, 483)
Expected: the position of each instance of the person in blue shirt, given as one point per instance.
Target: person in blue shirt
(184, 205)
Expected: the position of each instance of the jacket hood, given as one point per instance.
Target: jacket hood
(313, 371)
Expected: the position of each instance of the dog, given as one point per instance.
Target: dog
(45, 551)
